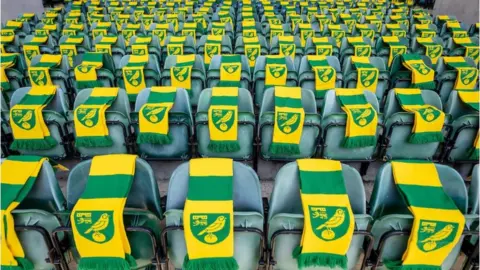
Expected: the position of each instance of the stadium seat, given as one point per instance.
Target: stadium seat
(137, 44)
(103, 28)
(161, 30)
(423, 30)
(227, 47)
(446, 77)
(55, 116)
(259, 77)
(105, 74)
(74, 29)
(398, 127)
(188, 46)
(142, 209)
(198, 76)
(213, 72)
(456, 30)
(473, 31)
(347, 49)
(220, 29)
(51, 30)
(463, 129)
(19, 28)
(473, 195)
(15, 70)
(151, 72)
(180, 128)
(311, 126)
(240, 45)
(118, 121)
(334, 120)
(312, 43)
(46, 45)
(59, 74)
(246, 126)
(275, 48)
(398, 30)
(454, 49)
(390, 212)
(400, 76)
(35, 218)
(418, 48)
(10, 40)
(382, 49)
(248, 215)
(80, 43)
(114, 45)
(286, 214)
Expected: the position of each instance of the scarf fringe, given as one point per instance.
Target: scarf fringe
(94, 141)
(23, 264)
(228, 84)
(397, 265)
(103, 263)
(425, 137)
(284, 149)
(224, 146)
(319, 259)
(226, 263)
(131, 260)
(424, 85)
(359, 141)
(80, 85)
(474, 154)
(34, 144)
(153, 138)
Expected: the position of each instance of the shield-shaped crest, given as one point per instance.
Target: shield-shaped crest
(287, 49)
(134, 76)
(399, 33)
(427, 34)
(433, 235)
(325, 74)
(139, 51)
(69, 32)
(434, 51)
(127, 34)
(87, 116)
(368, 77)
(368, 33)
(277, 70)
(160, 33)
(362, 117)
(68, 52)
(307, 34)
(274, 33)
(324, 51)
(48, 20)
(24, 118)
(429, 113)
(96, 226)
(137, 15)
(210, 228)
(288, 122)
(329, 222)
(338, 34)
(153, 113)
(174, 49)
(218, 31)
(421, 68)
(226, 20)
(223, 119)
(212, 49)
(252, 53)
(41, 32)
(460, 34)
(363, 51)
(231, 68)
(274, 21)
(39, 77)
(472, 52)
(147, 22)
(249, 33)
(468, 75)
(189, 32)
(181, 73)
(398, 50)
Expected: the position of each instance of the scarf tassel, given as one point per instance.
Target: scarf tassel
(284, 149)
(34, 144)
(101, 263)
(359, 141)
(319, 259)
(224, 146)
(226, 263)
(23, 264)
(424, 85)
(474, 154)
(425, 137)
(154, 138)
(88, 84)
(94, 141)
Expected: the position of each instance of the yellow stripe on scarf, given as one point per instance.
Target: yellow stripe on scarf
(213, 46)
(105, 44)
(470, 98)
(287, 46)
(134, 76)
(276, 30)
(40, 73)
(367, 77)
(275, 71)
(181, 73)
(337, 33)
(471, 49)
(467, 76)
(161, 32)
(69, 47)
(8, 61)
(32, 48)
(223, 120)
(422, 75)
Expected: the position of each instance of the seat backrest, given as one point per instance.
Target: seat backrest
(443, 67)
(247, 193)
(261, 62)
(386, 199)
(49, 43)
(152, 63)
(46, 193)
(392, 106)
(171, 61)
(107, 61)
(285, 198)
(216, 63)
(63, 66)
(308, 101)
(473, 192)
(245, 103)
(377, 62)
(331, 105)
(143, 193)
(57, 104)
(121, 103)
(456, 108)
(332, 61)
(225, 42)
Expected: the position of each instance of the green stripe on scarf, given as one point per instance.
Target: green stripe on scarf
(230, 71)
(422, 75)
(7, 61)
(86, 72)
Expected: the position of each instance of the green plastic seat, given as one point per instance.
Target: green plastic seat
(142, 209)
(351, 74)
(37, 212)
(286, 214)
(452, 49)
(154, 47)
(259, 77)
(287, 30)
(464, 129)
(398, 127)
(311, 126)
(229, 30)
(382, 50)
(445, 33)
(227, 47)
(306, 77)
(299, 51)
(311, 49)
(16, 76)
(180, 128)
(417, 48)
(55, 116)
(188, 47)
(118, 121)
(414, 33)
(213, 72)
(55, 34)
(119, 49)
(47, 48)
(240, 45)
(239, 28)
(446, 77)
(248, 215)
(391, 213)
(473, 196)
(400, 76)
(81, 48)
(334, 121)
(347, 50)
(151, 71)
(105, 74)
(246, 126)
(198, 77)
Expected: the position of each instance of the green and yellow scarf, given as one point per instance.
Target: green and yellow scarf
(289, 117)
(456, 29)
(367, 74)
(471, 49)
(97, 217)
(432, 49)
(275, 71)
(30, 132)
(337, 33)
(39, 73)
(19, 174)
(230, 71)
(366, 31)
(360, 47)
(400, 19)
(287, 47)
(161, 32)
(323, 47)
(422, 75)
(328, 218)
(173, 19)
(218, 29)
(396, 30)
(86, 72)
(69, 47)
(348, 21)
(7, 37)
(32, 48)
(134, 76)
(46, 30)
(396, 48)
(325, 75)
(276, 30)
(175, 45)
(375, 20)
(472, 98)
(249, 29)
(73, 29)
(181, 73)
(8, 60)
(208, 215)
(190, 29)
(437, 222)
(129, 31)
(213, 46)
(153, 116)
(105, 44)
(428, 120)
(361, 124)
(424, 31)
(306, 31)
(252, 50)
(467, 75)
(140, 45)
(101, 29)
(90, 120)
(223, 120)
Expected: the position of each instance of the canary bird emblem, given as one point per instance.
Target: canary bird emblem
(434, 235)
(472, 52)
(288, 122)
(210, 228)
(23, 118)
(223, 119)
(231, 68)
(368, 77)
(252, 53)
(434, 51)
(468, 75)
(160, 34)
(325, 74)
(287, 49)
(96, 226)
(364, 51)
(324, 51)
(277, 70)
(218, 31)
(211, 50)
(30, 54)
(38, 77)
(181, 73)
(363, 117)
(421, 68)
(153, 113)
(87, 116)
(133, 76)
(329, 222)
(175, 50)
(429, 113)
